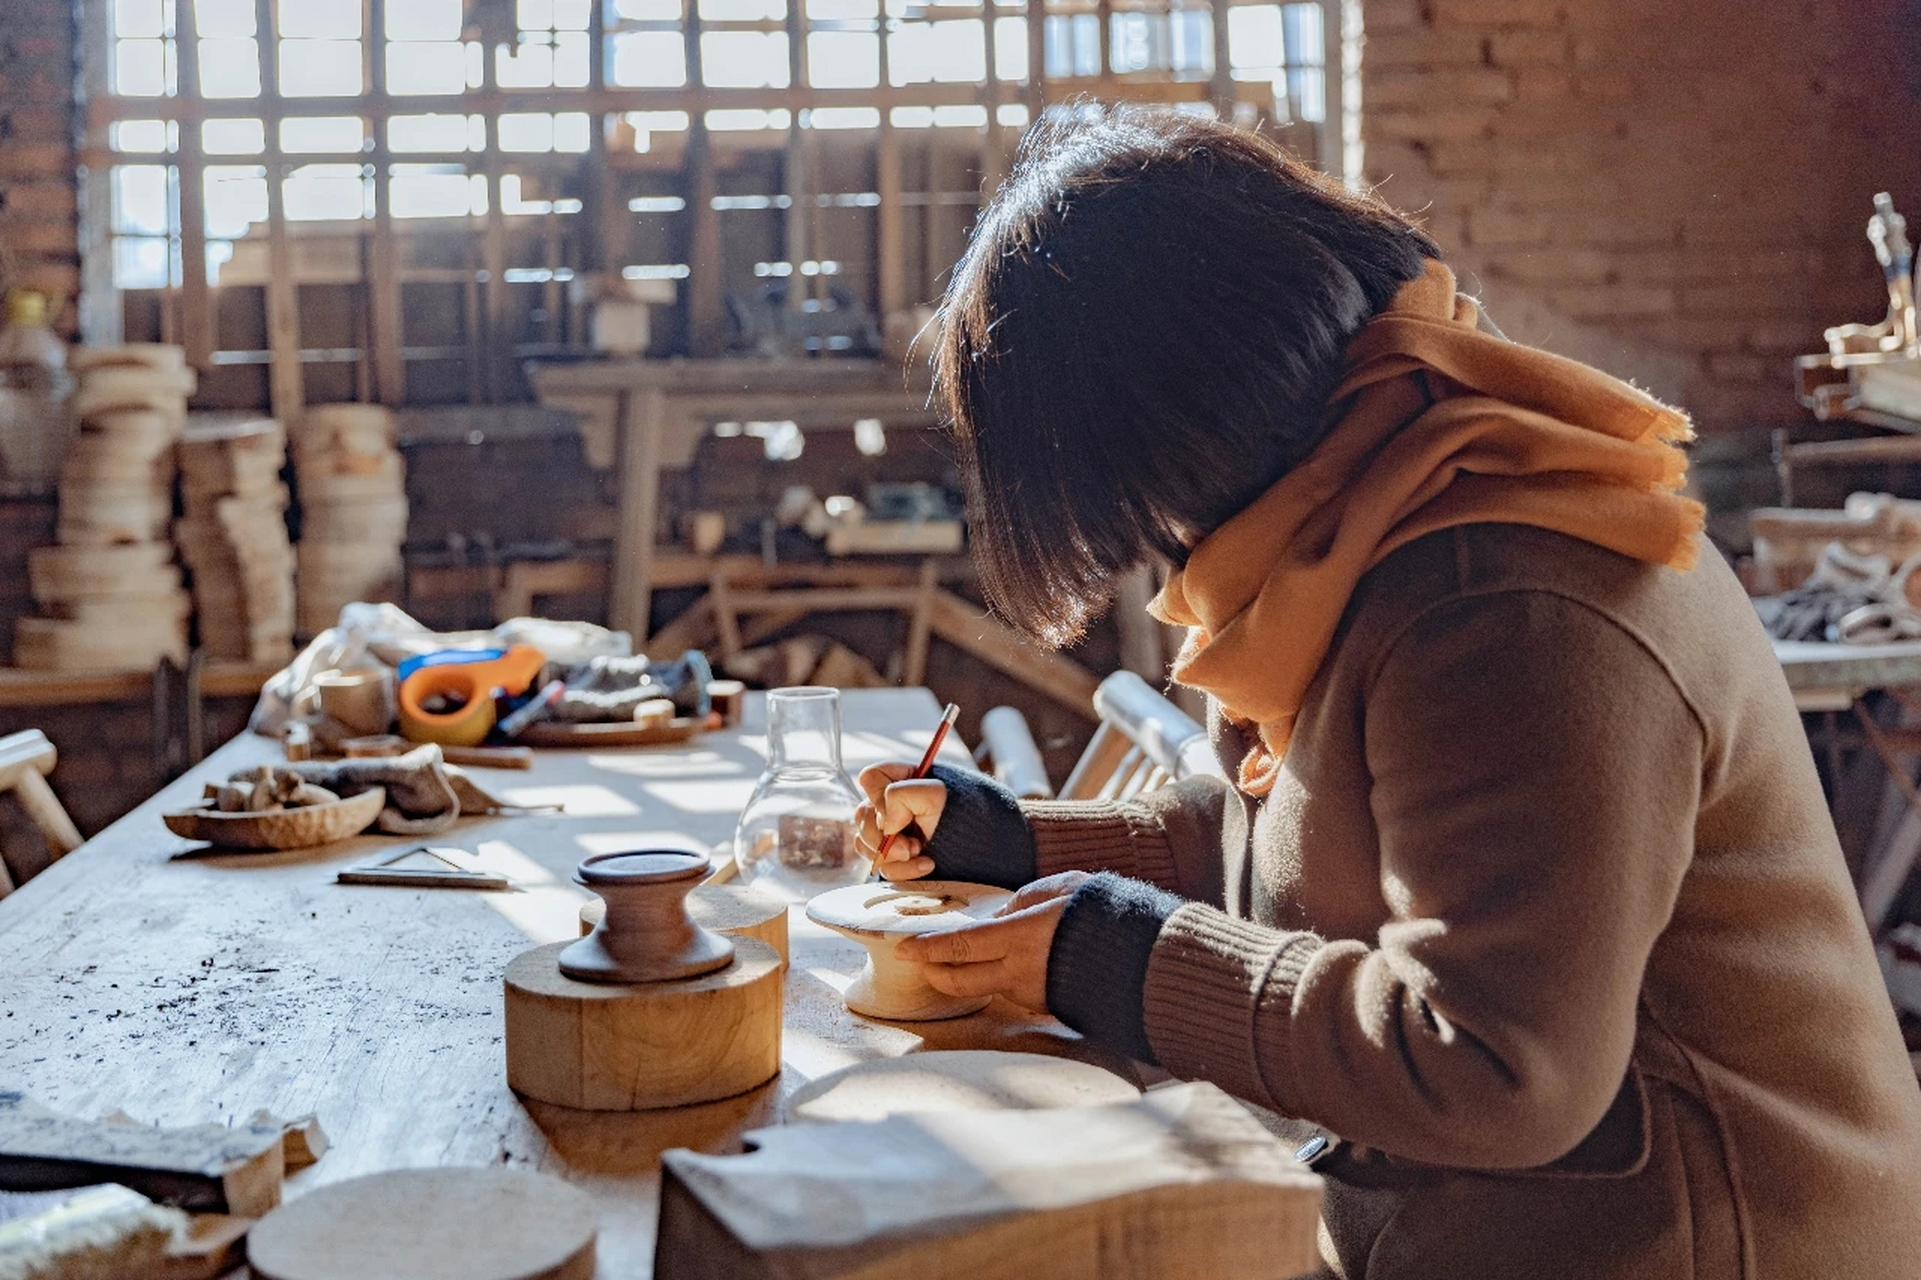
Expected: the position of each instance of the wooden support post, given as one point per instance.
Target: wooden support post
(642, 422)
(920, 626)
(993, 151)
(383, 281)
(890, 249)
(1036, 60)
(196, 307)
(796, 226)
(1223, 83)
(285, 381)
(726, 620)
(101, 314)
(706, 283)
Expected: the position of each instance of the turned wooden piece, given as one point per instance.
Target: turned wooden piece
(732, 909)
(602, 1046)
(648, 1010)
(646, 934)
(878, 916)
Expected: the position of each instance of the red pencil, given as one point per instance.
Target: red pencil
(926, 765)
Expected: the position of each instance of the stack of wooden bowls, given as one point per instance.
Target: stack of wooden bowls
(353, 510)
(233, 537)
(110, 593)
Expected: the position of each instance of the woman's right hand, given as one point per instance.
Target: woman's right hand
(896, 800)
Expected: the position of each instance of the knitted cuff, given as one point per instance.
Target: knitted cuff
(1104, 835)
(1218, 990)
(1098, 965)
(982, 836)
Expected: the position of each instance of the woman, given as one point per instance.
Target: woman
(1523, 887)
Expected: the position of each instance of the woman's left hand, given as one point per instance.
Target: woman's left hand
(1005, 955)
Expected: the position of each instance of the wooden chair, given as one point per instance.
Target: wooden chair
(26, 759)
(1144, 741)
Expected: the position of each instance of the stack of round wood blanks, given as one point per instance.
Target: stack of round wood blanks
(110, 596)
(233, 536)
(353, 510)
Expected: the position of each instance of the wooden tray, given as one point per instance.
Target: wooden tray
(550, 733)
(286, 829)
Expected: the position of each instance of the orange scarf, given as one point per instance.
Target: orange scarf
(1435, 424)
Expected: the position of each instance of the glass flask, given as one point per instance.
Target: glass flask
(796, 835)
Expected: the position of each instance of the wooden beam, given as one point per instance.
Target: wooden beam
(285, 381)
(384, 307)
(965, 626)
(196, 305)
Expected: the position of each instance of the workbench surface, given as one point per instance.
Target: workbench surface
(183, 990)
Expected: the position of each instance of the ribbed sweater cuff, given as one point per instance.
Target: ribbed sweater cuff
(1098, 964)
(1217, 1001)
(982, 837)
(1080, 835)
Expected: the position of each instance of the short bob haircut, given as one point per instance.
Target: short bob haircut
(1140, 339)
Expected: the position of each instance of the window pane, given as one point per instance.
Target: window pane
(223, 19)
(570, 60)
(139, 135)
(573, 131)
(526, 132)
(319, 68)
(572, 15)
(229, 68)
(744, 59)
(648, 10)
(236, 199)
(919, 52)
(650, 59)
(436, 191)
(1010, 49)
(138, 19)
(322, 133)
(141, 264)
(534, 15)
(843, 10)
(843, 118)
(322, 19)
(424, 20)
(843, 59)
(742, 10)
(139, 68)
(428, 133)
(317, 192)
(1254, 41)
(140, 199)
(233, 137)
(531, 66)
(436, 67)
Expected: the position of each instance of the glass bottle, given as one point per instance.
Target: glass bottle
(796, 835)
(34, 386)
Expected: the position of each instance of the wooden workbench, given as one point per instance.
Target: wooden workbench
(190, 989)
(650, 414)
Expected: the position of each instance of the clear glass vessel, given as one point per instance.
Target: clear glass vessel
(796, 835)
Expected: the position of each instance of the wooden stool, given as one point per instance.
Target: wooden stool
(26, 758)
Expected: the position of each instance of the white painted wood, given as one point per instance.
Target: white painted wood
(209, 988)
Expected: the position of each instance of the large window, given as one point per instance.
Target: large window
(400, 199)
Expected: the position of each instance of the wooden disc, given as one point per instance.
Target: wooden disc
(878, 916)
(616, 1047)
(956, 1080)
(431, 1224)
(147, 355)
(724, 908)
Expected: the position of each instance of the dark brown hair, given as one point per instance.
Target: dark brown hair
(1140, 338)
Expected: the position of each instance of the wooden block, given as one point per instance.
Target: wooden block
(490, 1223)
(955, 1080)
(1181, 1183)
(160, 613)
(58, 573)
(724, 908)
(637, 1047)
(350, 428)
(211, 1167)
(53, 644)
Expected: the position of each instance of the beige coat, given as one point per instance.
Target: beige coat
(1547, 920)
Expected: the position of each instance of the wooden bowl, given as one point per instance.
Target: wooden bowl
(285, 829)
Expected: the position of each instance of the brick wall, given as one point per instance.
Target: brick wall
(1674, 191)
(38, 238)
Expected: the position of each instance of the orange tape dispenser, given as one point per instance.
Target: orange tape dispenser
(462, 694)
